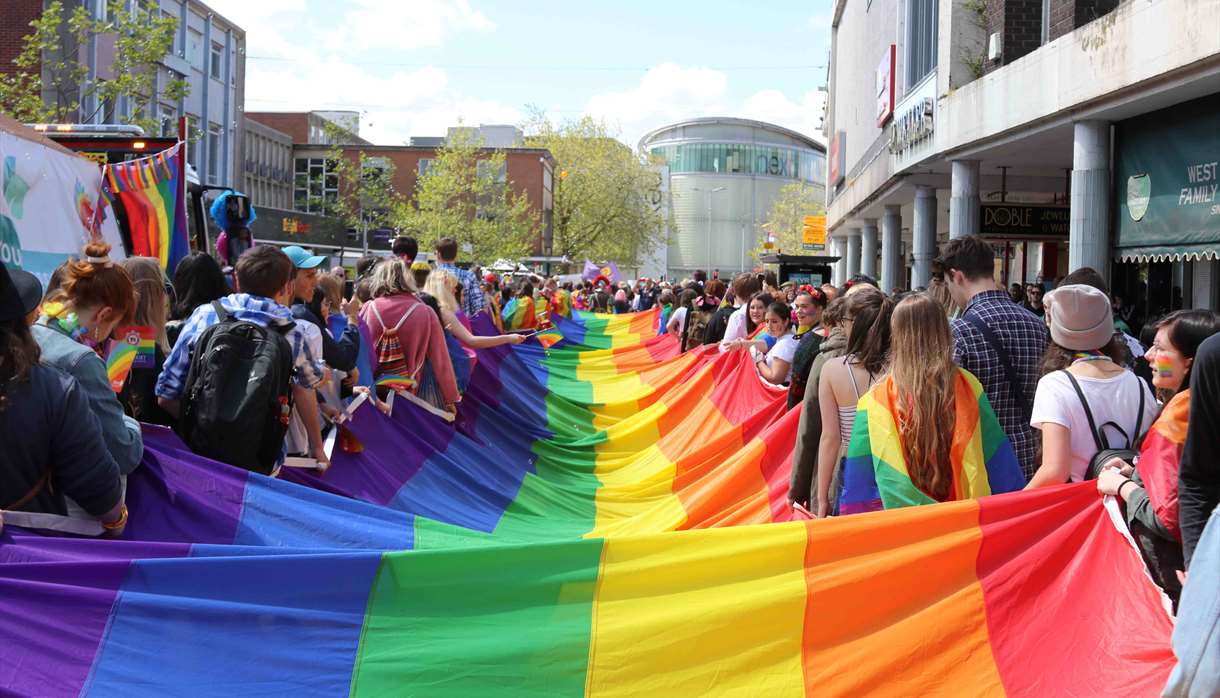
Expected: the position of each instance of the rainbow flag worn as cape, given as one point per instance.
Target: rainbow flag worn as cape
(666, 312)
(875, 472)
(561, 303)
(1161, 458)
(152, 194)
(519, 314)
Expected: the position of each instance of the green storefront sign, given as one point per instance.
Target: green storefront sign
(1167, 182)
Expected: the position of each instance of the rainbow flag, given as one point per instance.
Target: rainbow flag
(394, 381)
(136, 348)
(1161, 458)
(561, 303)
(576, 531)
(519, 314)
(875, 472)
(152, 193)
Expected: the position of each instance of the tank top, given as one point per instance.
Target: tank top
(847, 415)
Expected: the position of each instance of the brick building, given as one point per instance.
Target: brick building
(208, 52)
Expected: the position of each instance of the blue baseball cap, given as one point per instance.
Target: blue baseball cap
(302, 259)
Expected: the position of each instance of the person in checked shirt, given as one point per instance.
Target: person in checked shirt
(264, 282)
(472, 293)
(998, 341)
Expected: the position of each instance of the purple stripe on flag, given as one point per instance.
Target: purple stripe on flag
(55, 600)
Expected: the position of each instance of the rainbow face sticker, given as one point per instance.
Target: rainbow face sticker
(1163, 367)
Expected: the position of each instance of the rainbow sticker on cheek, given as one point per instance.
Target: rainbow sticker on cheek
(1163, 368)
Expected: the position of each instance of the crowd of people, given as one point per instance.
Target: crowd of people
(273, 345)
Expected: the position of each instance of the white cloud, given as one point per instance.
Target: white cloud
(773, 106)
(670, 92)
(378, 24)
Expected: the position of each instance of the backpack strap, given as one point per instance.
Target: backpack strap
(1010, 372)
(1088, 413)
(222, 315)
(404, 317)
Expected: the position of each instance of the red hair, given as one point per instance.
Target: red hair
(95, 281)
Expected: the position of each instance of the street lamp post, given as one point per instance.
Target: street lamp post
(709, 193)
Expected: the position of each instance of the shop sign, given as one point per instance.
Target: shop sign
(1167, 180)
(813, 233)
(885, 86)
(1019, 220)
(838, 158)
(912, 126)
(294, 226)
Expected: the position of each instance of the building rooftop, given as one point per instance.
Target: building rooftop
(734, 121)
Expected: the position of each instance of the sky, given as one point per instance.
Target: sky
(417, 67)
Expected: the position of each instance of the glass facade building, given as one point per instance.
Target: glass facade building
(722, 176)
(743, 158)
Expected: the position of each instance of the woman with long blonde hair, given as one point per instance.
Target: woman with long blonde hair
(916, 430)
(442, 284)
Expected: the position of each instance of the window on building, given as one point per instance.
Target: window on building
(194, 142)
(216, 61)
(167, 115)
(214, 142)
(483, 170)
(315, 185)
(424, 164)
(921, 39)
(194, 48)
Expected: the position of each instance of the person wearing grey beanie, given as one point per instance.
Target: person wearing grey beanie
(1083, 376)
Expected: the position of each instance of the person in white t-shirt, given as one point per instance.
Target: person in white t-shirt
(1084, 352)
(745, 285)
(775, 365)
(677, 321)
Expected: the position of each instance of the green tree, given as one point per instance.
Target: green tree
(785, 220)
(49, 81)
(602, 190)
(465, 194)
(367, 197)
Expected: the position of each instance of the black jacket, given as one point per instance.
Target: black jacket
(1199, 478)
(340, 354)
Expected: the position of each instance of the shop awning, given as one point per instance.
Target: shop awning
(1169, 253)
(1167, 181)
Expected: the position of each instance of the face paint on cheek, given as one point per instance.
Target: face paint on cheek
(1162, 366)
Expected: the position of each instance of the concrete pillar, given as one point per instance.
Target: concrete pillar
(923, 247)
(1089, 230)
(839, 272)
(868, 248)
(964, 206)
(891, 249)
(853, 253)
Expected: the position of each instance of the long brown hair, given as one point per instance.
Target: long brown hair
(869, 342)
(921, 364)
(18, 354)
(97, 284)
(149, 282)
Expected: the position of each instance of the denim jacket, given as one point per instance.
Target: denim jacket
(120, 432)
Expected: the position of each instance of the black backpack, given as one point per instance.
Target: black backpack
(238, 395)
(694, 328)
(1104, 453)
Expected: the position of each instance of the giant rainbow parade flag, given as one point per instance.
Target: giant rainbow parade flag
(152, 197)
(606, 516)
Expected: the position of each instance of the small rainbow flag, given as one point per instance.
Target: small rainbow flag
(549, 338)
(393, 381)
(136, 349)
(152, 194)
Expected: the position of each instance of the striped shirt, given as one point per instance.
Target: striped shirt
(304, 338)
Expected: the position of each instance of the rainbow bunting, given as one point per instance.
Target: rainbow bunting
(875, 472)
(578, 531)
(151, 193)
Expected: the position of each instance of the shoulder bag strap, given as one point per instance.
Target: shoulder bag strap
(43, 480)
(1088, 413)
(222, 315)
(1010, 372)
